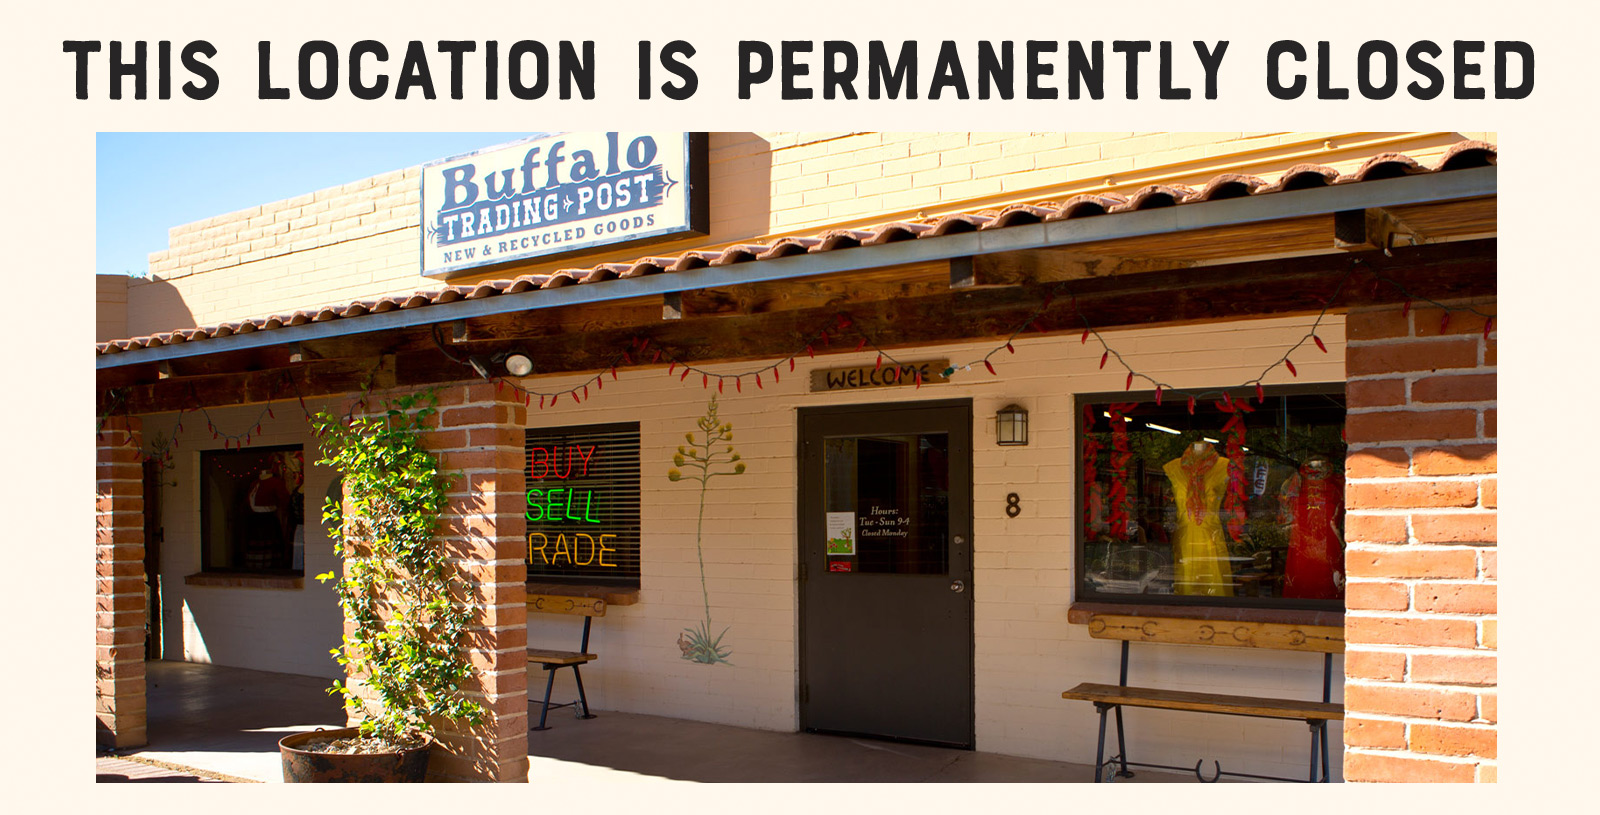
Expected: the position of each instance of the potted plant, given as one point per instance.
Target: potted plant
(404, 636)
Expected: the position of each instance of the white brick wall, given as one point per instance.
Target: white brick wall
(267, 629)
(1027, 652)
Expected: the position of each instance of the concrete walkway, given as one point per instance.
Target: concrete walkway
(224, 723)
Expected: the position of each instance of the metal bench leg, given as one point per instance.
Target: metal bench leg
(1324, 728)
(549, 685)
(1122, 748)
(583, 699)
(1100, 746)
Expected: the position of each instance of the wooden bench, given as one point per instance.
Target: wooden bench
(553, 660)
(1326, 640)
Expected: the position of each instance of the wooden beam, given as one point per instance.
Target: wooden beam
(1053, 265)
(1360, 230)
(929, 313)
(252, 387)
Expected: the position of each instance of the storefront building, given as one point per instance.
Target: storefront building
(976, 395)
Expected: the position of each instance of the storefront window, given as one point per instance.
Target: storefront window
(1222, 503)
(583, 504)
(252, 510)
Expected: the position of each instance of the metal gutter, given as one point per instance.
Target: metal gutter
(1437, 186)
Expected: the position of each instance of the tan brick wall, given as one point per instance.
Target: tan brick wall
(119, 586)
(1422, 606)
(110, 307)
(361, 240)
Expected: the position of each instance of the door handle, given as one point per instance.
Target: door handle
(958, 586)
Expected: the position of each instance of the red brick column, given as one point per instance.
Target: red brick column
(480, 434)
(1420, 621)
(119, 619)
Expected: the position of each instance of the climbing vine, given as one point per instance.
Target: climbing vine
(406, 636)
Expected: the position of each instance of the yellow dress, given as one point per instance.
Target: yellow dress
(1200, 550)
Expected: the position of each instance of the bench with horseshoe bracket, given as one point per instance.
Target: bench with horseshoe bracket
(553, 660)
(1110, 699)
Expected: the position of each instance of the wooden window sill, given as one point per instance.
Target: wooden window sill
(613, 595)
(1079, 613)
(244, 580)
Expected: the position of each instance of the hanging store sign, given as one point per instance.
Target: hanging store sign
(557, 195)
(583, 503)
(885, 375)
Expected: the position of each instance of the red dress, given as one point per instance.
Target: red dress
(1316, 546)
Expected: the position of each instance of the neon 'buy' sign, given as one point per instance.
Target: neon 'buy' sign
(557, 195)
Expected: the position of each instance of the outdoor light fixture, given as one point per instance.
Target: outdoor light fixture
(477, 365)
(1011, 426)
(519, 365)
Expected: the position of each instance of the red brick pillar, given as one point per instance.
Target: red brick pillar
(119, 618)
(480, 434)
(1420, 621)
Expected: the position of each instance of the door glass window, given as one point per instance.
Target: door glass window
(887, 500)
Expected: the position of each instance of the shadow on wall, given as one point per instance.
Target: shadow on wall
(154, 306)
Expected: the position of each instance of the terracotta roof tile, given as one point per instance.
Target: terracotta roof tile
(1227, 185)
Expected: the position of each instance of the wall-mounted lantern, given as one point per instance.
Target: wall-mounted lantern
(1011, 426)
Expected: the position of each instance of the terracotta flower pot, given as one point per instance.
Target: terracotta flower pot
(302, 766)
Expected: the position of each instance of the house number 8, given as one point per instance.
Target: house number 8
(1013, 505)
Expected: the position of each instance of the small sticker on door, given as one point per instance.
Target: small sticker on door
(841, 534)
(840, 566)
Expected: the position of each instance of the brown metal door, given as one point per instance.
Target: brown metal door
(886, 571)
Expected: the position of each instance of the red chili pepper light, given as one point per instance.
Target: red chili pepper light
(541, 401)
(1444, 323)
(775, 378)
(878, 364)
(1191, 406)
(990, 367)
(758, 382)
(626, 360)
(825, 340)
(1085, 340)
(719, 384)
(1261, 395)
(791, 364)
(1103, 358)
(1290, 366)
(1129, 385)
(738, 384)
(499, 386)
(672, 368)
(1158, 395)
(1009, 349)
(269, 413)
(705, 381)
(527, 398)
(600, 382)
(1405, 310)
(844, 322)
(1487, 325)
(810, 352)
(862, 344)
(656, 357)
(918, 373)
(613, 373)
(586, 391)
(685, 374)
(1318, 340)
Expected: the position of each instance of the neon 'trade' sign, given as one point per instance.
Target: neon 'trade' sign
(556, 195)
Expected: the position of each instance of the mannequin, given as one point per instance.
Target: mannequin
(1199, 478)
(268, 500)
(1314, 500)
